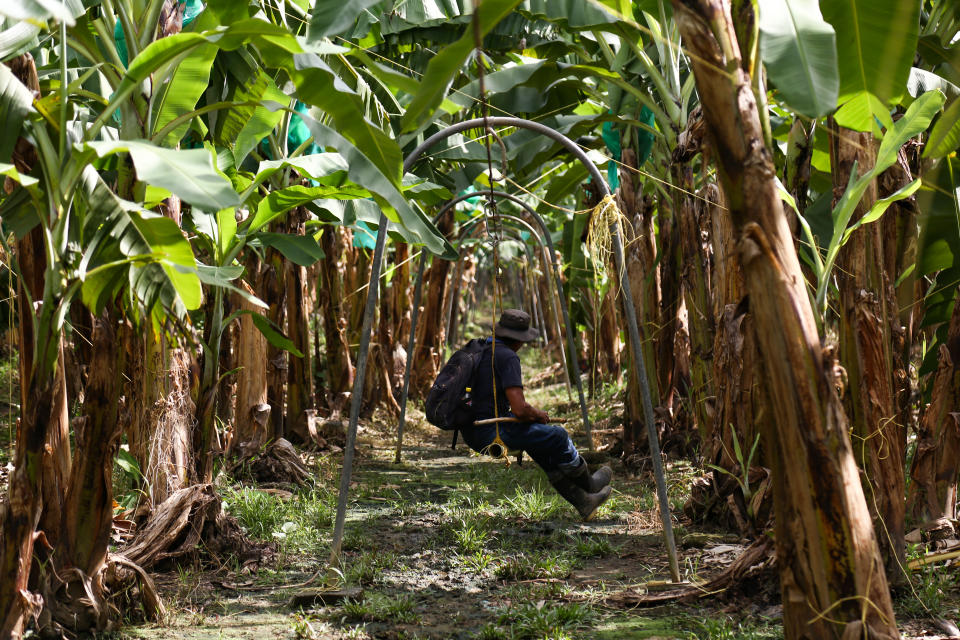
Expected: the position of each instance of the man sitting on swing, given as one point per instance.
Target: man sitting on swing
(498, 392)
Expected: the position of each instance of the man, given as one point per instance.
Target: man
(549, 445)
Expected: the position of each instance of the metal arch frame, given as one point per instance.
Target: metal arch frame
(628, 307)
(546, 262)
(532, 255)
(546, 241)
(538, 260)
(471, 225)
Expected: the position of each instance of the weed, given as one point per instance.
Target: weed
(471, 536)
(928, 591)
(522, 567)
(533, 504)
(259, 513)
(478, 561)
(723, 627)
(355, 633)
(367, 568)
(356, 540)
(545, 619)
(382, 608)
(491, 631)
(691, 567)
(592, 547)
(532, 592)
(307, 627)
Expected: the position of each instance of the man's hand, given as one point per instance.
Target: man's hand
(522, 409)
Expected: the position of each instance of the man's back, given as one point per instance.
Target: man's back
(508, 374)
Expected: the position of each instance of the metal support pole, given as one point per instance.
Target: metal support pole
(357, 398)
(641, 373)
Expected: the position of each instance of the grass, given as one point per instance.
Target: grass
(534, 565)
(532, 503)
(931, 589)
(724, 627)
(540, 620)
(298, 525)
(592, 547)
(378, 607)
(367, 568)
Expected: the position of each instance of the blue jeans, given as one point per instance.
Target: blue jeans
(548, 445)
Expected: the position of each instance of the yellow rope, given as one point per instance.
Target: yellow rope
(605, 217)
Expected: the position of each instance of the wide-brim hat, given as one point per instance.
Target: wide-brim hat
(515, 325)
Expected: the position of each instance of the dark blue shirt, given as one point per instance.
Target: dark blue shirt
(507, 375)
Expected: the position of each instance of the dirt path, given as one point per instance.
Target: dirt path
(449, 544)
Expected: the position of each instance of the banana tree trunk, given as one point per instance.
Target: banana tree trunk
(299, 310)
(866, 296)
(741, 406)
(450, 302)
(57, 464)
(831, 574)
(160, 411)
(936, 462)
(898, 228)
(665, 337)
(330, 296)
(608, 338)
(356, 275)
(31, 256)
(75, 595)
(696, 286)
(427, 350)
(644, 274)
(252, 426)
(398, 293)
(272, 292)
(21, 514)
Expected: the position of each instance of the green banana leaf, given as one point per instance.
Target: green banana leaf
(279, 201)
(241, 127)
(364, 172)
(188, 173)
(875, 51)
(945, 135)
(319, 85)
(16, 102)
(799, 50)
(128, 246)
(302, 250)
(445, 66)
(180, 94)
(333, 18)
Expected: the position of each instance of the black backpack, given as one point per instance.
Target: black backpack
(446, 405)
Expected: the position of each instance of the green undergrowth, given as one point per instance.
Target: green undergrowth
(445, 545)
(299, 524)
(9, 402)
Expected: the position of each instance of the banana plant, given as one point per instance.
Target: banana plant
(916, 120)
(97, 247)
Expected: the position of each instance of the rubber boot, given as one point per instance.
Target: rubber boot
(585, 503)
(589, 482)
